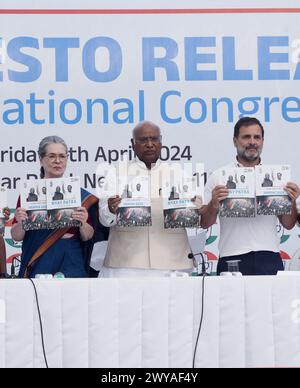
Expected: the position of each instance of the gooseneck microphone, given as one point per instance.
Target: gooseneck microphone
(13, 268)
(203, 264)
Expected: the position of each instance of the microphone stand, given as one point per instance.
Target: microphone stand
(12, 272)
(13, 269)
(203, 266)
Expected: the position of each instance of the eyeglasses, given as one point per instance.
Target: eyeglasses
(59, 157)
(145, 140)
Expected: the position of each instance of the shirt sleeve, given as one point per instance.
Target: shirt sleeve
(106, 218)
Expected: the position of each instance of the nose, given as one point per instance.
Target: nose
(149, 143)
(253, 141)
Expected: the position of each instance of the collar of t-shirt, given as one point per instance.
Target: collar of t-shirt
(238, 164)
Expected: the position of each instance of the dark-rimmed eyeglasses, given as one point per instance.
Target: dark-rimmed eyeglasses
(59, 157)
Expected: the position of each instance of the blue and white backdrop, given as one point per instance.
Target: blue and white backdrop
(89, 71)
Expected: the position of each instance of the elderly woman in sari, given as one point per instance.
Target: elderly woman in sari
(62, 250)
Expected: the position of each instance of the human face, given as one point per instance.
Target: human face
(249, 144)
(147, 144)
(55, 161)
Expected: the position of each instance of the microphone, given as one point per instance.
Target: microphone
(203, 264)
(191, 255)
(13, 268)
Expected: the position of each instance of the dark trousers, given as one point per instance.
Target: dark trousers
(254, 263)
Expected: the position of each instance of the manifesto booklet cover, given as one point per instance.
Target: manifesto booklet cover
(240, 182)
(178, 190)
(135, 207)
(270, 195)
(34, 201)
(50, 202)
(63, 197)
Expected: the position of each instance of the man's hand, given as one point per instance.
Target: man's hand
(219, 193)
(292, 190)
(289, 221)
(114, 203)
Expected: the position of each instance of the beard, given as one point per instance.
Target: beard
(244, 154)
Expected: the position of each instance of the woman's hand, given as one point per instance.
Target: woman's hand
(81, 215)
(21, 215)
(86, 230)
(17, 231)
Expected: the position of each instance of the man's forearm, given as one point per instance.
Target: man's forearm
(209, 215)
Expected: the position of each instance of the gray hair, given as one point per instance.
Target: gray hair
(42, 151)
(141, 124)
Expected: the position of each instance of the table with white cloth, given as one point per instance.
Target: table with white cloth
(151, 322)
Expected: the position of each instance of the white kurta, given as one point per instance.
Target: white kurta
(152, 247)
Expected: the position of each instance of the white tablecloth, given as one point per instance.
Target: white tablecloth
(249, 321)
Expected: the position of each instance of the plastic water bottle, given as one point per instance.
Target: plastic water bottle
(59, 275)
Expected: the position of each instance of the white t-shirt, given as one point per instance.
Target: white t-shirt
(243, 235)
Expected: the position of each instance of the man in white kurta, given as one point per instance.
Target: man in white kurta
(136, 250)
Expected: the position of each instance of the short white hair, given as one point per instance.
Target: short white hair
(141, 124)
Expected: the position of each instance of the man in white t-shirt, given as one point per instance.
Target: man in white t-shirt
(253, 241)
